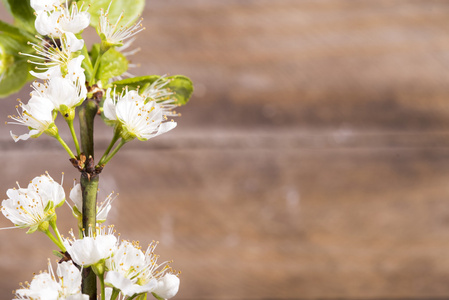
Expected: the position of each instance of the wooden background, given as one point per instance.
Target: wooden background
(312, 161)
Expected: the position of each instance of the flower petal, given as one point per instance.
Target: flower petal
(167, 286)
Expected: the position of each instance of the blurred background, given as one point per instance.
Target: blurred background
(312, 161)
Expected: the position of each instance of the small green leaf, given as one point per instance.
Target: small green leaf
(13, 67)
(76, 213)
(58, 254)
(49, 205)
(182, 87)
(131, 10)
(94, 52)
(19, 34)
(23, 14)
(10, 45)
(112, 64)
(134, 82)
(32, 229)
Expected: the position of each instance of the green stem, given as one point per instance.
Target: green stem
(114, 152)
(89, 283)
(61, 141)
(89, 186)
(54, 240)
(113, 141)
(115, 293)
(80, 232)
(58, 235)
(87, 113)
(101, 277)
(75, 139)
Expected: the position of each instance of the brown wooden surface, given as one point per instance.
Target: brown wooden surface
(312, 162)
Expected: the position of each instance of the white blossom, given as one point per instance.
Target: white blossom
(115, 34)
(157, 91)
(63, 93)
(48, 189)
(124, 269)
(43, 286)
(167, 286)
(142, 120)
(137, 117)
(46, 286)
(30, 207)
(36, 115)
(109, 105)
(162, 95)
(70, 279)
(134, 272)
(58, 60)
(93, 248)
(61, 19)
(44, 5)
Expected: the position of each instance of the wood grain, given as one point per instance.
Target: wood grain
(311, 163)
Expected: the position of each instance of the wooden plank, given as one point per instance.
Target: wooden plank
(323, 171)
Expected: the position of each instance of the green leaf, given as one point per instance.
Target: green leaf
(23, 14)
(13, 67)
(76, 213)
(9, 45)
(49, 205)
(135, 82)
(112, 64)
(181, 86)
(131, 10)
(19, 34)
(58, 254)
(94, 52)
(32, 229)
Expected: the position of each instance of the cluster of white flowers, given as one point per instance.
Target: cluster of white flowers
(67, 284)
(59, 63)
(46, 286)
(62, 64)
(130, 271)
(64, 86)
